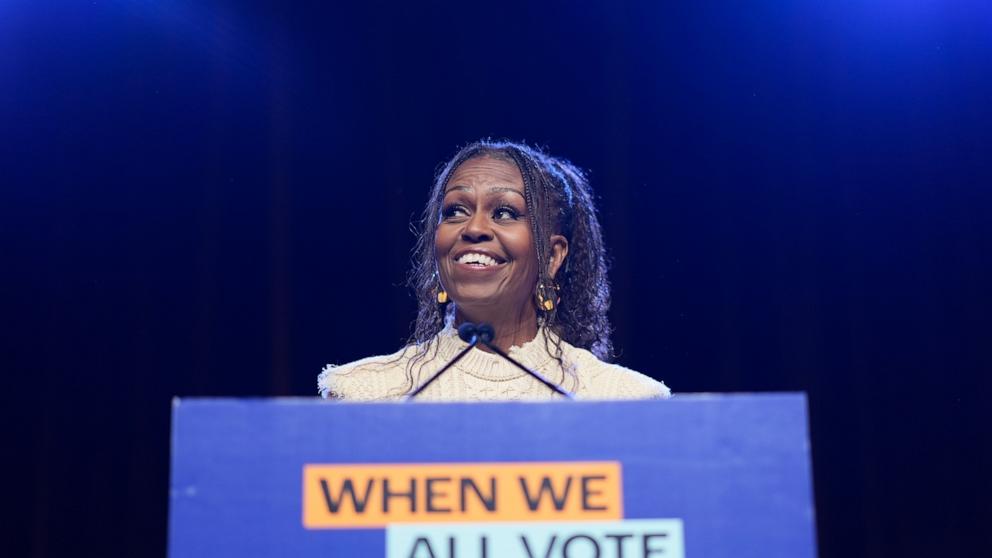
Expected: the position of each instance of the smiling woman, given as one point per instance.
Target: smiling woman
(509, 237)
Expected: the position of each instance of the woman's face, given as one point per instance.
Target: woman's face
(484, 247)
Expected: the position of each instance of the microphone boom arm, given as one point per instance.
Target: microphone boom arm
(554, 387)
(471, 344)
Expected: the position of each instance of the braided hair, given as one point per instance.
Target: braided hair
(559, 201)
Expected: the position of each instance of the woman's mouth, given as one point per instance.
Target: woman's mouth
(478, 260)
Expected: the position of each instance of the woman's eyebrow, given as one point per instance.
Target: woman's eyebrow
(493, 190)
(501, 189)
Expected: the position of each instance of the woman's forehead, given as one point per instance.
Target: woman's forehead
(486, 171)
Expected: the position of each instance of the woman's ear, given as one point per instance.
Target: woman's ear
(559, 251)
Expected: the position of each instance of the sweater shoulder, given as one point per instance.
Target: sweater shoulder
(373, 378)
(603, 380)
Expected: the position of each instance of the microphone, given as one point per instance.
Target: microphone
(468, 332)
(486, 334)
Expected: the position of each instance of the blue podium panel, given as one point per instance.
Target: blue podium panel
(707, 476)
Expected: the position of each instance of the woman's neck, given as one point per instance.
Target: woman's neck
(510, 330)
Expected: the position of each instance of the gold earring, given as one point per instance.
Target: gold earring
(548, 296)
(442, 295)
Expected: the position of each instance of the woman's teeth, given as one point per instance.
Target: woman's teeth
(476, 259)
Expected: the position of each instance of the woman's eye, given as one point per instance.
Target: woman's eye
(506, 212)
(453, 211)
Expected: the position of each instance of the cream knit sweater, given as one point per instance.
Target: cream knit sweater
(485, 376)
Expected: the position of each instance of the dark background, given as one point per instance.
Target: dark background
(214, 199)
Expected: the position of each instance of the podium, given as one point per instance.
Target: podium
(708, 476)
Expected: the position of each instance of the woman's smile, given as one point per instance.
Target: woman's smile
(476, 260)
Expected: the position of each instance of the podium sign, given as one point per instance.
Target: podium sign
(707, 476)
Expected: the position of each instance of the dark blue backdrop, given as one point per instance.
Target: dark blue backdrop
(214, 200)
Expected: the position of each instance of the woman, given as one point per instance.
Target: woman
(509, 238)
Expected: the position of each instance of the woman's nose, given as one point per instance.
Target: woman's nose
(477, 229)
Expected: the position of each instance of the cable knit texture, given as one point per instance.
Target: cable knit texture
(485, 376)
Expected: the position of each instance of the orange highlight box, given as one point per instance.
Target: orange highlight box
(375, 495)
